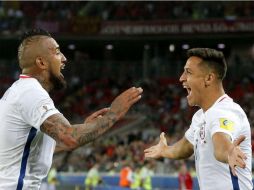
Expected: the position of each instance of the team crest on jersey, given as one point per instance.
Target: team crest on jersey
(202, 134)
(227, 124)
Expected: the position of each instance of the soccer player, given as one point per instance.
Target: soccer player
(219, 134)
(30, 125)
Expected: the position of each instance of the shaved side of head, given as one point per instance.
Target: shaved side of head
(29, 49)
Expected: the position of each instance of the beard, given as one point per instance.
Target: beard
(58, 82)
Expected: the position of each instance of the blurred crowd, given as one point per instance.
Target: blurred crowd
(163, 106)
(93, 84)
(16, 16)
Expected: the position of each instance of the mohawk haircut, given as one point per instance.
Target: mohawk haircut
(34, 32)
(26, 39)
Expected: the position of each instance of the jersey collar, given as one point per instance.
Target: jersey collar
(22, 76)
(220, 99)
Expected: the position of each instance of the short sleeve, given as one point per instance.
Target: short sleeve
(189, 135)
(36, 106)
(222, 124)
(222, 121)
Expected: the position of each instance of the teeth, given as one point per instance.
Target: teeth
(187, 88)
(62, 66)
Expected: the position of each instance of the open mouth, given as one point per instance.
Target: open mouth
(61, 69)
(62, 66)
(188, 90)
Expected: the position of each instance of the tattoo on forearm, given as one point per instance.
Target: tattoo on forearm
(97, 128)
(55, 125)
(87, 137)
(60, 129)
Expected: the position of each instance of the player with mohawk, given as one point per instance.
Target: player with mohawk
(31, 128)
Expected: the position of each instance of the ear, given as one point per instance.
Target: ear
(209, 78)
(42, 64)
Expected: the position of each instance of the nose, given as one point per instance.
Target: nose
(64, 59)
(182, 77)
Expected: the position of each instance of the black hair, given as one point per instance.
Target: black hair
(212, 58)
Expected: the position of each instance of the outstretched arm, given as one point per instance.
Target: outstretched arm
(73, 136)
(180, 150)
(227, 152)
(60, 146)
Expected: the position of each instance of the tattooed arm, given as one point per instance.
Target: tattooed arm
(69, 136)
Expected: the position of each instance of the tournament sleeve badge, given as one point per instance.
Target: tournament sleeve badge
(227, 124)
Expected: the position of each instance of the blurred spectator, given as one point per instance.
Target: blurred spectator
(184, 178)
(93, 178)
(52, 179)
(59, 17)
(146, 175)
(126, 174)
(136, 178)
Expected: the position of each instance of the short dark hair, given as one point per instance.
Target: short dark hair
(212, 58)
(34, 32)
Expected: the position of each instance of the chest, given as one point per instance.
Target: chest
(202, 137)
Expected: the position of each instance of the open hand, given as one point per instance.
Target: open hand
(236, 157)
(156, 151)
(124, 101)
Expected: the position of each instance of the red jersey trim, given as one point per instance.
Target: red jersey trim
(24, 76)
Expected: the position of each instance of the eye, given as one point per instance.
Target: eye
(187, 71)
(58, 51)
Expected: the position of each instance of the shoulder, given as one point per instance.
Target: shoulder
(30, 92)
(25, 89)
(225, 109)
(31, 88)
(196, 117)
(31, 83)
(226, 115)
(218, 113)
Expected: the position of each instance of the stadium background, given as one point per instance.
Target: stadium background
(111, 46)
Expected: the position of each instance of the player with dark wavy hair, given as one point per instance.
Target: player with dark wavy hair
(31, 128)
(219, 134)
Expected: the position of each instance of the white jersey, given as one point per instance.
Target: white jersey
(25, 152)
(227, 117)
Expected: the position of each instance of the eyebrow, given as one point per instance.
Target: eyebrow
(57, 48)
(187, 69)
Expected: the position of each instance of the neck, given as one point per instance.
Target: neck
(42, 77)
(212, 96)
